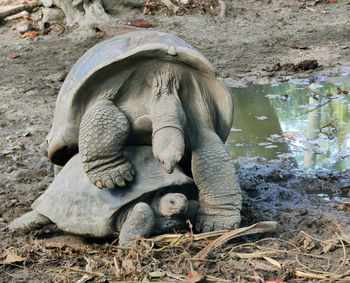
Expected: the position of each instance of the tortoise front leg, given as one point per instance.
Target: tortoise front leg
(102, 134)
(219, 192)
(138, 223)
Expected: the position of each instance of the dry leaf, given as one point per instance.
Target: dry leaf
(157, 274)
(128, 265)
(13, 57)
(194, 276)
(139, 23)
(273, 261)
(308, 244)
(30, 33)
(261, 227)
(328, 245)
(11, 257)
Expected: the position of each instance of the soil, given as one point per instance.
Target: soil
(312, 239)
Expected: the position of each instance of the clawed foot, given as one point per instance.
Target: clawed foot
(110, 175)
(214, 220)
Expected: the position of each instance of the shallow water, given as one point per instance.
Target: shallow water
(308, 123)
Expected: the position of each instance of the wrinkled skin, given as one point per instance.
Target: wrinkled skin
(144, 218)
(178, 120)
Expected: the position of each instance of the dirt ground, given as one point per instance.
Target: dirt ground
(312, 239)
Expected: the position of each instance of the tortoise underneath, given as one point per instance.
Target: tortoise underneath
(154, 202)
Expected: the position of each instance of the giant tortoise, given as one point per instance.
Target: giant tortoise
(150, 88)
(154, 202)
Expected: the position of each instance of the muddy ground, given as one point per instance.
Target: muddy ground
(312, 238)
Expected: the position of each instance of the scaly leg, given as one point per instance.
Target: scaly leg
(219, 192)
(103, 132)
(28, 222)
(138, 223)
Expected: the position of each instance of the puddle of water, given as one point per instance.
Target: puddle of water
(309, 124)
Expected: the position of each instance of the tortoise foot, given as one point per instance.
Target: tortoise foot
(116, 174)
(217, 219)
(102, 134)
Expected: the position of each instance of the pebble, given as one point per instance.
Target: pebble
(24, 26)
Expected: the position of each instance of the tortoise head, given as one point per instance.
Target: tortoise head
(172, 204)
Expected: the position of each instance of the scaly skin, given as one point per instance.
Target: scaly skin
(168, 117)
(103, 132)
(170, 204)
(219, 192)
(138, 223)
(28, 222)
(144, 219)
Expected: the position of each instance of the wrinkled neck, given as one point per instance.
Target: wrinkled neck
(166, 108)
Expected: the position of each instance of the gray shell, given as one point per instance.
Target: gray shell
(107, 59)
(76, 206)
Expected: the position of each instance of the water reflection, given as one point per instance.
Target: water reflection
(308, 123)
(312, 132)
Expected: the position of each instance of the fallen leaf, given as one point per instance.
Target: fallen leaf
(209, 278)
(273, 261)
(157, 274)
(11, 257)
(128, 265)
(299, 47)
(139, 23)
(310, 275)
(261, 227)
(194, 276)
(328, 245)
(308, 244)
(13, 57)
(30, 33)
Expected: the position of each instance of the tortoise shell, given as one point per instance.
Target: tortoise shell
(76, 206)
(110, 58)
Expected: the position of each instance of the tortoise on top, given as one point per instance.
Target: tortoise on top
(150, 88)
